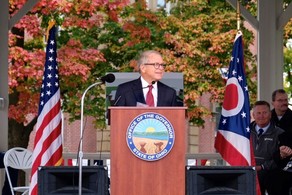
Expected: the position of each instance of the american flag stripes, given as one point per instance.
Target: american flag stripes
(233, 136)
(48, 139)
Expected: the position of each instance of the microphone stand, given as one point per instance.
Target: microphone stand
(81, 136)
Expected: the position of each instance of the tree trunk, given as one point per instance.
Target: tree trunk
(18, 135)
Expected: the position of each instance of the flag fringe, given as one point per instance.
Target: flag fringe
(51, 24)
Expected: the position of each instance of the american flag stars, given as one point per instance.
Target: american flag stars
(50, 79)
(247, 129)
(237, 59)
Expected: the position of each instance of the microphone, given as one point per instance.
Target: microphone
(109, 78)
(118, 99)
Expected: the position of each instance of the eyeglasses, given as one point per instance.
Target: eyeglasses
(156, 65)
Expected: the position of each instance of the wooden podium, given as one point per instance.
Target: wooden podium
(133, 171)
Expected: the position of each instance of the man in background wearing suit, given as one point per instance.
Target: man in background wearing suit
(282, 117)
(281, 114)
(135, 92)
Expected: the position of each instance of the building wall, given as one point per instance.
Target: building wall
(207, 133)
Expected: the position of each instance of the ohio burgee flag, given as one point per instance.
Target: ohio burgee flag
(232, 140)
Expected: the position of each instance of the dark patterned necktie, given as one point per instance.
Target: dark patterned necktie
(260, 132)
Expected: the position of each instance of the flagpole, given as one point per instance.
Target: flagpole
(238, 15)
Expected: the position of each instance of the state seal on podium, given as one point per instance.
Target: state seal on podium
(150, 136)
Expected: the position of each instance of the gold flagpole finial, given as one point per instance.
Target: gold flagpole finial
(51, 24)
(238, 15)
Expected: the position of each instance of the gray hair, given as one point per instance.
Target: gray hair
(144, 57)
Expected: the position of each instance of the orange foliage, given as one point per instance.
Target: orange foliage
(75, 61)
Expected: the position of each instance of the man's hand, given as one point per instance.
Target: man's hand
(285, 151)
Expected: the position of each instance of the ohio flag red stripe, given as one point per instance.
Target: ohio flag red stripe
(228, 151)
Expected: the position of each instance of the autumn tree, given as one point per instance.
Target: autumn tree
(76, 58)
(288, 57)
(196, 39)
(96, 37)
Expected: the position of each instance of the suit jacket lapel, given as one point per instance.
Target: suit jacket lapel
(138, 91)
(160, 94)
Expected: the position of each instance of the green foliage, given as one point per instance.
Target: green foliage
(288, 58)
(53, 16)
(37, 43)
(287, 70)
(196, 39)
(204, 33)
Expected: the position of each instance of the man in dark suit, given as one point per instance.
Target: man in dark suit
(135, 92)
(281, 114)
(283, 158)
(282, 117)
(264, 138)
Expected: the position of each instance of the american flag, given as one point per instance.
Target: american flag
(48, 139)
(233, 136)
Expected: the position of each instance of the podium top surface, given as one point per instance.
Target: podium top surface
(147, 108)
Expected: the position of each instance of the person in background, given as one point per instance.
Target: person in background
(147, 90)
(283, 158)
(264, 138)
(281, 114)
(13, 176)
(282, 117)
